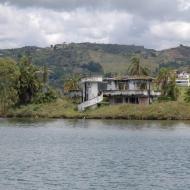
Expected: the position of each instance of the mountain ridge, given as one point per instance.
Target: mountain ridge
(65, 59)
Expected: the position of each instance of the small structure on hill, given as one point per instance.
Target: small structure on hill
(129, 89)
(183, 79)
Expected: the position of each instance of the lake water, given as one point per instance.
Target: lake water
(94, 155)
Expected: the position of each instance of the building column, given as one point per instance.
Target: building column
(124, 100)
(149, 92)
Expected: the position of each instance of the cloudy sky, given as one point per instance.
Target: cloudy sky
(153, 23)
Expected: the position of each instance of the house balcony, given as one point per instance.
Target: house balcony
(92, 79)
(131, 92)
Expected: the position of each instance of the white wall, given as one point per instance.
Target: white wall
(182, 82)
(92, 89)
(132, 85)
(111, 85)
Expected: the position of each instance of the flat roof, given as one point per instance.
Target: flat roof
(127, 78)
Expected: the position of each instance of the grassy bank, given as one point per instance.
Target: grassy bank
(156, 111)
(64, 108)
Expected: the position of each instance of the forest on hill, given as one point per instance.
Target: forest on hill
(90, 58)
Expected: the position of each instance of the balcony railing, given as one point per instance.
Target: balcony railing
(131, 92)
(92, 79)
(89, 103)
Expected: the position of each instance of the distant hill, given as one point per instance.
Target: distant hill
(65, 59)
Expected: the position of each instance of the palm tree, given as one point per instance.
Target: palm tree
(166, 81)
(163, 79)
(71, 83)
(136, 68)
(45, 76)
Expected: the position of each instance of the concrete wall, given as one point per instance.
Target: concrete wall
(92, 90)
(111, 85)
(129, 99)
(183, 82)
(144, 100)
(83, 92)
(90, 103)
(132, 85)
(136, 85)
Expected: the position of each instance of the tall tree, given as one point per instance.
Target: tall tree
(9, 75)
(166, 81)
(29, 80)
(45, 77)
(187, 95)
(163, 80)
(136, 68)
(71, 83)
(45, 74)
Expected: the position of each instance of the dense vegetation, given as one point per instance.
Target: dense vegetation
(22, 83)
(64, 108)
(9, 76)
(166, 81)
(89, 58)
(27, 77)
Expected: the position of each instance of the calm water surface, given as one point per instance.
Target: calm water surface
(94, 155)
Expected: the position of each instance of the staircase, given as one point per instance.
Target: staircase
(89, 103)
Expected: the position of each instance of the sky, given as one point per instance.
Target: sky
(157, 24)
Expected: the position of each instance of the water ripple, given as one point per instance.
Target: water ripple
(94, 155)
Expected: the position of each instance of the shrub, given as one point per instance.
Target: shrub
(47, 97)
(187, 95)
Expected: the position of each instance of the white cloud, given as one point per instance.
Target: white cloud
(171, 33)
(44, 27)
(17, 28)
(154, 24)
(175, 30)
(184, 5)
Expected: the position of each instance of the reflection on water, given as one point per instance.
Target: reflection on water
(94, 154)
(83, 123)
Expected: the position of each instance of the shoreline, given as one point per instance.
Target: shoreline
(63, 109)
(97, 118)
(86, 117)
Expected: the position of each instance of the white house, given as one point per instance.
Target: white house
(183, 79)
(129, 89)
(91, 94)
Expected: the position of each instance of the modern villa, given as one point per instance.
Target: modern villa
(129, 89)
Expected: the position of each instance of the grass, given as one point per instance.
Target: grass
(156, 111)
(62, 108)
(65, 108)
(172, 110)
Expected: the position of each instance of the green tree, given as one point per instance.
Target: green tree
(45, 74)
(187, 95)
(71, 83)
(30, 83)
(136, 68)
(173, 90)
(9, 75)
(47, 94)
(163, 80)
(166, 81)
(45, 77)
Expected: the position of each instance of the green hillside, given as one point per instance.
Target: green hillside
(86, 58)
